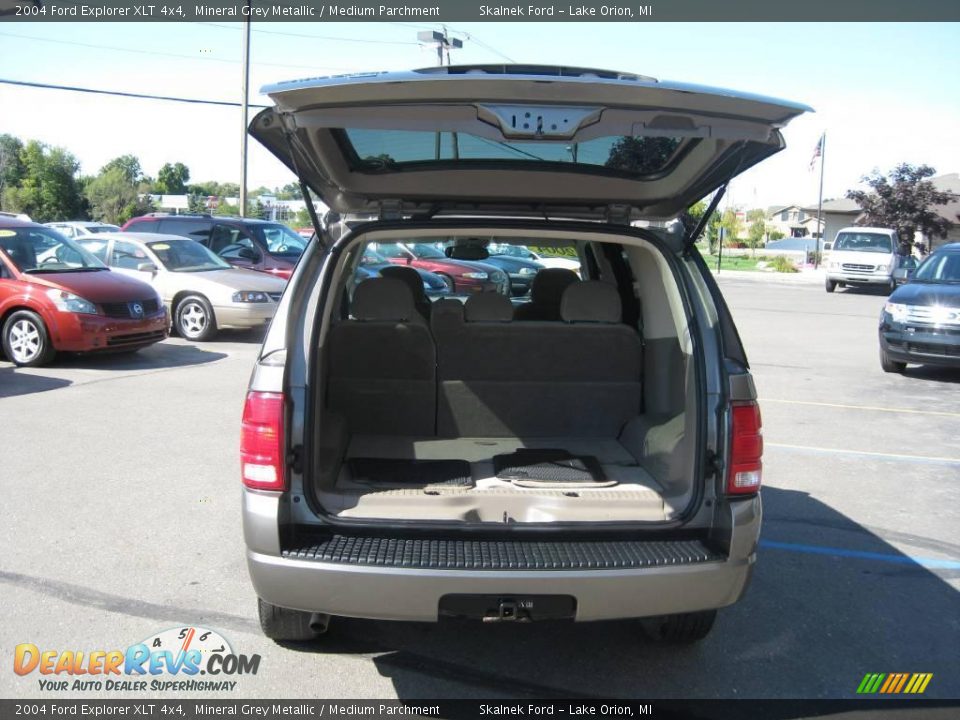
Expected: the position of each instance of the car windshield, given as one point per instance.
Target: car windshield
(427, 252)
(186, 256)
(41, 250)
(864, 242)
(281, 240)
(516, 251)
(939, 268)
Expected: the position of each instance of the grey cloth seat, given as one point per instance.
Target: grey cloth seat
(382, 363)
(488, 307)
(411, 278)
(579, 377)
(546, 292)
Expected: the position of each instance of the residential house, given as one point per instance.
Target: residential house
(793, 221)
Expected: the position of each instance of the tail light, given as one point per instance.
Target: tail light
(262, 463)
(746, 449)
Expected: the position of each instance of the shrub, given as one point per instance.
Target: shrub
(782, 264)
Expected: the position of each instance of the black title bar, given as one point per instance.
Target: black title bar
(469, 10)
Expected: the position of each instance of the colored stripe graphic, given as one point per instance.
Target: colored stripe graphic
(894, 683)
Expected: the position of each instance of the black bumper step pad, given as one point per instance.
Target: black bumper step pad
(411, 473)
(456, 554)
(548, 466)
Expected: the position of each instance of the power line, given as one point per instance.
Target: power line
(314, 37)
(117, 93)
(173, 55)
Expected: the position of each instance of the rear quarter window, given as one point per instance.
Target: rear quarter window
(194, 229)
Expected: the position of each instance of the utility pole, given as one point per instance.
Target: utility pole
(443, 42)
(244, 112)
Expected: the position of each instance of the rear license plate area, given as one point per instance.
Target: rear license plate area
(508, 608)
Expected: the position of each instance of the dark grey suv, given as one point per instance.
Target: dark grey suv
(593, 454)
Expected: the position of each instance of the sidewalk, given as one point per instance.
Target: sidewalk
(805, 276)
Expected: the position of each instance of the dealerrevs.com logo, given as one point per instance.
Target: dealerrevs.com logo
(176, 660)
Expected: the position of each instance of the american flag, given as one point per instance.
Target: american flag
(817, 151)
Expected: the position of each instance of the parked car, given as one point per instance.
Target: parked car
(244, 242)
(372, 263)
(525, 253)
(920, 322)
(461, 276)
(864, 256)
(81, 228)
(15, 216)
(603, 465)
(68, 301)
(521, 270)
(202, 292)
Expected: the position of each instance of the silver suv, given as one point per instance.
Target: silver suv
(592, 451)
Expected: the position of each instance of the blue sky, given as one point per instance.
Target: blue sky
(883, 92)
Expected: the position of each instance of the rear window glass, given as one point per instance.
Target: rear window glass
(378, 150)
(194, 229)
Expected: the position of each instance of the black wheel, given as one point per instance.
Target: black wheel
(680, 628)
(890, 366)
(26, 341)
(830, 285)
(280, 623)
(194, 318)
(448, 281)
(890, 287)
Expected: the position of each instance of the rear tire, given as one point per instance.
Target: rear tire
(830, 285)
(448, 281)
(680, 628)
(890, 366)
(26, 342)
(280, 623)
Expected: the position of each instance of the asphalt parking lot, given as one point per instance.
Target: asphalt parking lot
(121, 519)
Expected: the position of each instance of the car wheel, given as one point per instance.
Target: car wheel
(194, 318)
(890, 366)
(830, 285)
(891, 286)
(280, 623)
(448, 281)
(680, 628)
(26, 341)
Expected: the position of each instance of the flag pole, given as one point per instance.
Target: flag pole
(820, 228)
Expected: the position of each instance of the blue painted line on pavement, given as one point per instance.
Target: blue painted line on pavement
(862, 555)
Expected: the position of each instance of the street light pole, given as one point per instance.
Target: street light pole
(244, 112)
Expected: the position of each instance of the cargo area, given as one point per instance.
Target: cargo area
(573, 404)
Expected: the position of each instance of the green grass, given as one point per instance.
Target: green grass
(730, 262)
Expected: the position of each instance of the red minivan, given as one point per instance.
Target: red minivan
(56, 296)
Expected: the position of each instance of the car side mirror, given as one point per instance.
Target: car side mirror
(148, 267)
(248, 254)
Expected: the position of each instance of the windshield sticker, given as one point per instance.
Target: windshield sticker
(7, 233)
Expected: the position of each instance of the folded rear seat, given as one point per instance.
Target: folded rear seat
(382, 375)
(579, 377)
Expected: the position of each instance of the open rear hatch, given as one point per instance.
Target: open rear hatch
(518, 140)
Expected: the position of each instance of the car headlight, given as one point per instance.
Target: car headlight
(527, 271)
(68, 302)
(250, 296)
(476, 275)
(896, 311)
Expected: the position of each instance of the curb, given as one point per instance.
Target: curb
(804, 277)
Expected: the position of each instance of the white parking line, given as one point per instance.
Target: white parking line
(941, 413)
(888, 456)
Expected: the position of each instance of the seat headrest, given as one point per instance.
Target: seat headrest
(488, 307)
(409, 277)
(548, 285)
(591, 301)
(383, 299)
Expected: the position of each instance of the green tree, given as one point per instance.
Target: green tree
(903, 200)
(113, 196)
(129, 165)
(49, 188)
(303, 218)
(11, 167)
(731, 225)
(757, 229)
(172, 179)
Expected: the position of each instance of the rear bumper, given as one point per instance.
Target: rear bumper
(414, 592)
